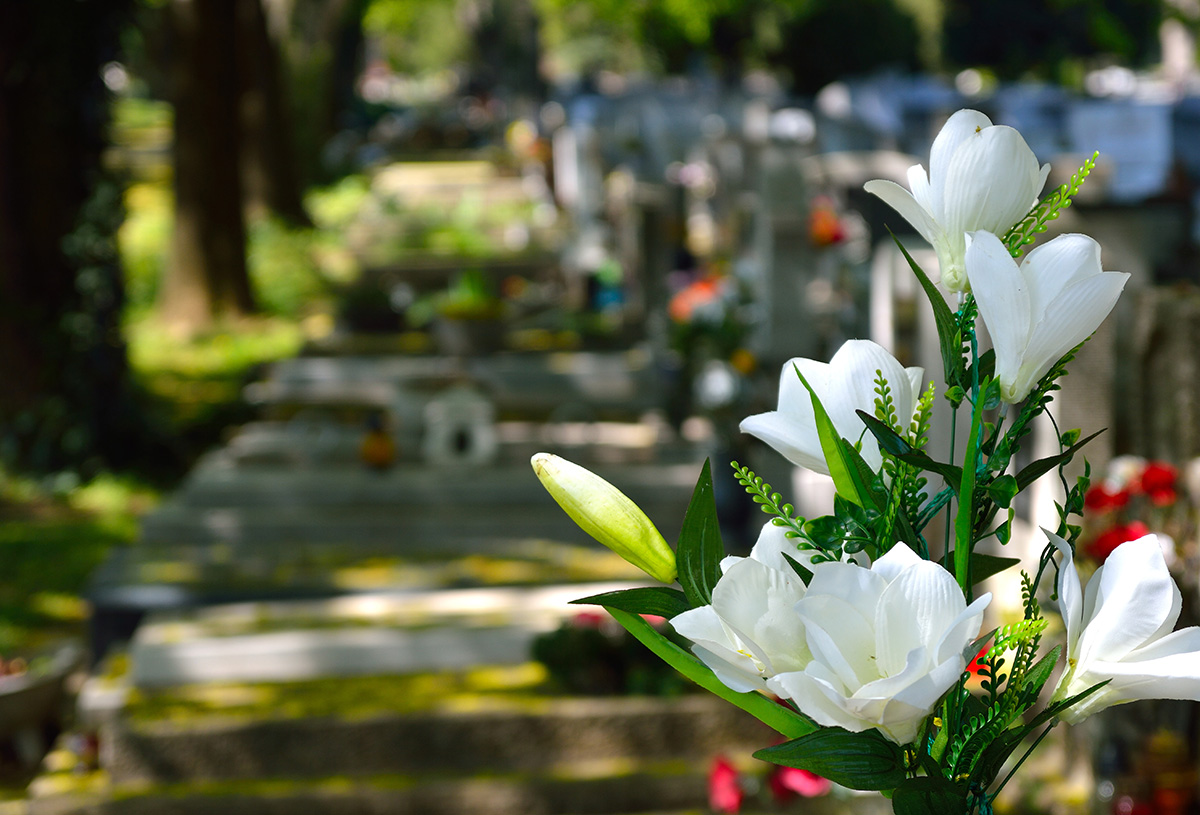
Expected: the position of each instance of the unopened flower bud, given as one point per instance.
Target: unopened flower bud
(605, 513)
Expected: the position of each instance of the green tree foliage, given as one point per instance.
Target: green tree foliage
(1053, 34)
(840, 38)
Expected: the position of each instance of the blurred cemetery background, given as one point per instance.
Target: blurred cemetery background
(292, 290)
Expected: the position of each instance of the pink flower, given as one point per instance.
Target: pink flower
(589, 619)
(725, 795)
(788, 782)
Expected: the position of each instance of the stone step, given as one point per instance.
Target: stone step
(373, 635)
(649, 789)
(414, 487)
(633, 790)
(492, 736)
(431, 528)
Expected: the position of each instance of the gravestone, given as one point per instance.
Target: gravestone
(1134, 137)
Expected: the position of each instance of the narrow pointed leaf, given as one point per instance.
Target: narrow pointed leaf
(929, 795)
(860, 761)
(1039, 468)
(898, 448)
(699, 550)
(943, 318)
(1037, 676)
(658, 600)
(964, 522)
(839, 455)
(782, 719)
(984, 566)
(801, 571)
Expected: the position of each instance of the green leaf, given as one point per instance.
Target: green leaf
(964, 521)
(658, 600)
(860, 761)
(699, 551)
(1003, 490)
(943, 318)
(984, 566)
(898, 448)
(844, 462)
(1037, 676)
(929, 795)
(889, 441)
(782, 719)
(804, 574)
(1039, 468)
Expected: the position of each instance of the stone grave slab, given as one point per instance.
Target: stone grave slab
(365, 634)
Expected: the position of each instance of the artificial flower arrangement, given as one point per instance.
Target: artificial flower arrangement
(850, 634)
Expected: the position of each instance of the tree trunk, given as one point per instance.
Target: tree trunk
(66, 401)
(322, 51)
(206, 276)
(271, 182)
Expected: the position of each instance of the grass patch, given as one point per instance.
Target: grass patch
(50, 543)
(344, 697)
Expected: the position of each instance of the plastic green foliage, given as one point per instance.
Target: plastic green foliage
(1039, 218)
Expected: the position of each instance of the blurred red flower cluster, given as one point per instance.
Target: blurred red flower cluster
(1118, 507)
(728, 788)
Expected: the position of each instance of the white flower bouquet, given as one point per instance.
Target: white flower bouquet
(850, 634)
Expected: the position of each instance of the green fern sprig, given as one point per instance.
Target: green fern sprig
(1049, 208)
(990, 666)
(770, 501)
(885, 403)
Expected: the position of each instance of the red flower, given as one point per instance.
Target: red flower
(1158, 482)
(974, 666)
(588, 619)
(788, 782)
(724, 793)
(824, 226)
(1101, 498)
(1106, 542)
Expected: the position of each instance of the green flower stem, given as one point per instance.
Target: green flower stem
(965, 521)
(774, 715)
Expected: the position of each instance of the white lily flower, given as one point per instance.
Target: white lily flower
(751, 630)
(1120, 629)
(844, 384)
(886, 643)
(981, 176)
(1040, 310)
(607, 514)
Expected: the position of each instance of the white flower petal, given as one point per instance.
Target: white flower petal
(990, 184)
(843, 386)
(1135, 598)
(1070, 594)
(727, 669)
(1058, 263)
(913, 614)
(819, 695)
(773, 544)
(1067, 321)
(893, 563)
(907, 205)
(959, 130)
(782, 434)
(961, 631)
(1004, 301)
(1118, 631)
(839, 636)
